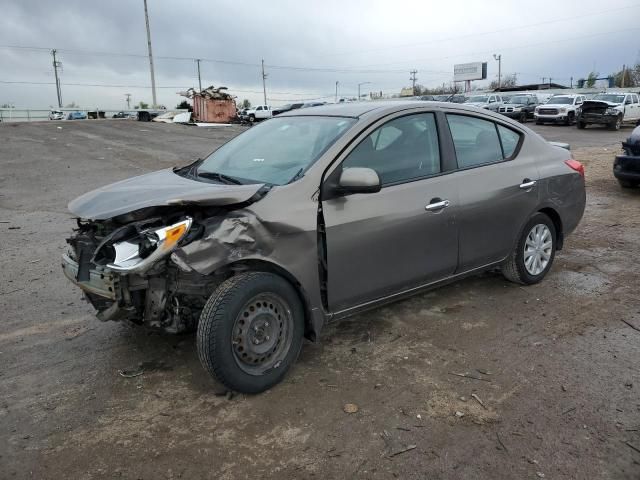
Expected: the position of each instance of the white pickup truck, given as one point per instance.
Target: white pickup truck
(611, 109)
(260, 112)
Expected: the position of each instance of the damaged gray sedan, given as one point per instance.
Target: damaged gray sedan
(316, 215)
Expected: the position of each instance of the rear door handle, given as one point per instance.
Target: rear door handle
(527, 184)
(436, 205)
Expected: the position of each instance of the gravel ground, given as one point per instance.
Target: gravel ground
(552, 373)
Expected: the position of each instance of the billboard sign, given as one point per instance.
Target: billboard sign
(470, 71)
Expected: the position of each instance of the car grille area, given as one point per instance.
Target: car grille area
(547, 111)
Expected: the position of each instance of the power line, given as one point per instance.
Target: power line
(490, 32)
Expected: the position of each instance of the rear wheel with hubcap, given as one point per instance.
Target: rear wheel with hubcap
(250, 331)
(533, 256)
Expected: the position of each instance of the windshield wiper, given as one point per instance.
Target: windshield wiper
(296, 176)
(221, 177)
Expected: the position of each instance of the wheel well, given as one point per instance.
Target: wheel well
(264, 266)
(557, 223)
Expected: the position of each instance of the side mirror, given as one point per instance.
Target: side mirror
(359, 180)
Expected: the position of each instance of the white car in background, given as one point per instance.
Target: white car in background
(261, 112)
(488, 102)
(559, 109)
(611, 109)
(56, 115)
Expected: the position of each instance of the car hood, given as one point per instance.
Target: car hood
(599, 103)
(476, 104)
(156, 189)
(555, 105)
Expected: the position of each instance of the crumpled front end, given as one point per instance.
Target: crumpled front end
(126, 273)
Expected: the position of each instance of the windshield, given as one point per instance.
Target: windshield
(276, 151)
(518, 100)
(477, 99)
(609, 97)
(560, 101)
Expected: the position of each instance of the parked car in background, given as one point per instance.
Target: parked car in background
(123, 115)
(286, 108)
(457, 98)
(626, 168)
(261, 112)
(489, 102)
(313, 104)
(76, 116)
(519, 107)
(611, 109)
(276, 231)
(559, 109)
(56, 115)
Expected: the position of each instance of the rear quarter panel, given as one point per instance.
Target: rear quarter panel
(561, 187)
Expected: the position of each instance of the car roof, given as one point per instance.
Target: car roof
(379, 108)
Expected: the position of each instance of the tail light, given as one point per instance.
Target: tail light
(575, 165)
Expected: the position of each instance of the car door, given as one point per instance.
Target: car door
(497, 188)
(634, 107)
(378, 244)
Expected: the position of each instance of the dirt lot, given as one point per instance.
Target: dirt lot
(553, 372)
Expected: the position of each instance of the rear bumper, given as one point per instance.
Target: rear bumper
(626, 167)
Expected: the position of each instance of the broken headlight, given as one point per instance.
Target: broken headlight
(611, 111)
(135, 255)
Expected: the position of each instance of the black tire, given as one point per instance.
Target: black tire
(581, 125)
(523, 117)
(627, 184)
(252, 118)
(514, 268)
(224, 339)
(538, 122)
(570, 119)
(617, 124)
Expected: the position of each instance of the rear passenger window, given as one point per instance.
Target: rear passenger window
(400, 150)
(509, 140)
(476, 141)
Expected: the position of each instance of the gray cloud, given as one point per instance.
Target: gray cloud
(381, 40)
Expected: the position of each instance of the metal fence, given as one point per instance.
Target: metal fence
(33, 115)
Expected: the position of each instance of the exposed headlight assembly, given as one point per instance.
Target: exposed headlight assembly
(611, 111)
(139, 254)
(562, 110)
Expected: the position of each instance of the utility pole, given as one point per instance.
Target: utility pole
(153, 77)
(199, 80)
(413, 81)
(499, 59)
(264, 84)
(571, 82)
(359, 85)
(56, 65)
(337, 91)
(128, 95)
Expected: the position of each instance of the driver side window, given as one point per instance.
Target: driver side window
(401, 150)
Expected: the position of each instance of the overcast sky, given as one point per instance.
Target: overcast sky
(346, 41)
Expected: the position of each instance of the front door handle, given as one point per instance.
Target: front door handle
(527, 184)
(436, 205)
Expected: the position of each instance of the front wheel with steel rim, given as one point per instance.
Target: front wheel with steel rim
(250, 331)
(533, 256)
